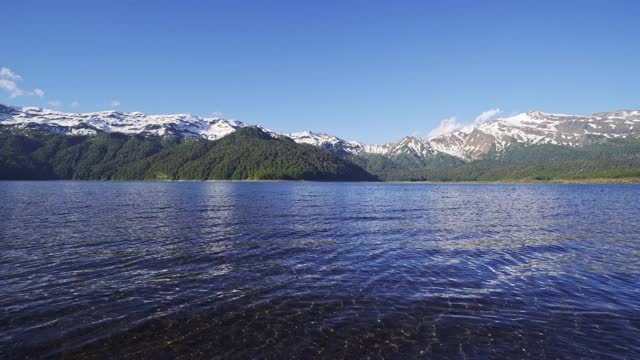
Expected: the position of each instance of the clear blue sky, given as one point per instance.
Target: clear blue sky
(372, 71)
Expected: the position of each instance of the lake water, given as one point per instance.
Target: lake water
(326, 270)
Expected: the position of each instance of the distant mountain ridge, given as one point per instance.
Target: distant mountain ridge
(184, 125)
(537, 128)
(469, 143)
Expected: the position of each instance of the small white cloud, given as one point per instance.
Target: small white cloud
(8, 74)
(9, 82)
(485, 116)
(75, 103)
(115, 103)
(451, 123)
(11, 87)
(55, 103)
(446, 125)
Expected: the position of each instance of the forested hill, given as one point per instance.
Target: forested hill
(247, 154)
(615, 159)
(253, 154)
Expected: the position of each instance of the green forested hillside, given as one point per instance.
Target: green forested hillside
(405, 167)
(612, 159)
(248, 153)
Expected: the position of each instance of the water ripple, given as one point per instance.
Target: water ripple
(318, 270)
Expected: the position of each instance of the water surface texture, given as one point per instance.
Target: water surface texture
(319, 270)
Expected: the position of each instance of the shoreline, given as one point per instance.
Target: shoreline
(592, 181)
(634, 180)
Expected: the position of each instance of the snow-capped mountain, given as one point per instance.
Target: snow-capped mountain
(537, 128)
(474, 141)
(116, 121)
(139, 123)
(408, 145)
(468, 143)
(328, 142)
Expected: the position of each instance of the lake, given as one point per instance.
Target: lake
(319, 270)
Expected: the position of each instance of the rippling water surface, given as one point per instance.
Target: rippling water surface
(327, 270)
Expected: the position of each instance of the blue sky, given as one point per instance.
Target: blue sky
(372, 71)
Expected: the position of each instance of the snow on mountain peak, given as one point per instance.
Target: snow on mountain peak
(117, 121)
(467, 143)
(536, 127)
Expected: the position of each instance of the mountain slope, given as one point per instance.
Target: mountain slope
(536, 127)
(249, 153)
(612, 159)
(469, 143)
(115, 121)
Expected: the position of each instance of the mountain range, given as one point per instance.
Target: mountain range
(494, 140)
